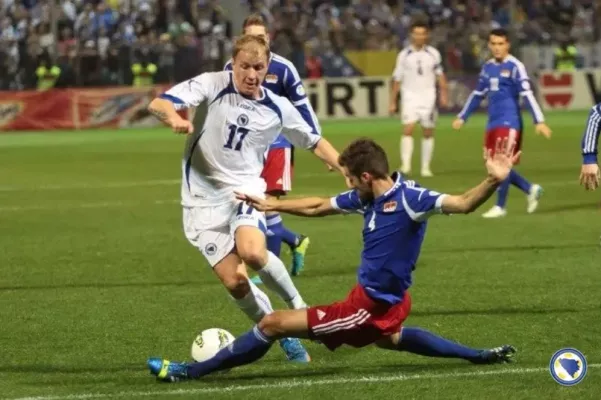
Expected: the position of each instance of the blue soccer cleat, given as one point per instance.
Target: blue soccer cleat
(256, 280)
(294, 350)
(498, 355)
(298, 255)
(167, 371)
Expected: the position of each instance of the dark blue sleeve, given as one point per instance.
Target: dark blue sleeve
(347, 202)
(473, 102)
(421, 203)
(590, 137)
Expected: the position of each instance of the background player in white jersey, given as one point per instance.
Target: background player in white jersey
(417, 71)
(227, 155)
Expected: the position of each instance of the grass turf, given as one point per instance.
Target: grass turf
(96, 273)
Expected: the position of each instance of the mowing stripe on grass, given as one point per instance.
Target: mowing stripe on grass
(173, 182)
(297, 383)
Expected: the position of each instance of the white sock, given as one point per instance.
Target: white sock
(255, 304)
(275, 276)
(406, 151)
(427, 150)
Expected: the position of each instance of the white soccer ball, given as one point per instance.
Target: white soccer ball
(209, 342)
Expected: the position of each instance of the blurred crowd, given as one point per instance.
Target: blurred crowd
(96, 43)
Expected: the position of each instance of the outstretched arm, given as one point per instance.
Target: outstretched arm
(304, 207)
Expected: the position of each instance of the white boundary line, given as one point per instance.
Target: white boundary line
(297, 383)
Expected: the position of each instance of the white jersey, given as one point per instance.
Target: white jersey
(228, 153)
(418, 70)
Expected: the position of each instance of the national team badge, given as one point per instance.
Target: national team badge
(390, 206)
(568, 367)
(271, 78)
(211, 249)
(505, 73)
(243, 120)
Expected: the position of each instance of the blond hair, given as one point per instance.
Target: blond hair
(251, 44)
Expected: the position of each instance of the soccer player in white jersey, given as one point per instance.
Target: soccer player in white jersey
(417, 71)
(227, 155)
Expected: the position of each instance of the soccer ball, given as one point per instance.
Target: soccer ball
(209, 342)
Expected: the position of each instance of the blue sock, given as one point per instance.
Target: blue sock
(290, 238)
(519, 181)
(274, 239)
(246, 349)
(420, 341)
(502, 192)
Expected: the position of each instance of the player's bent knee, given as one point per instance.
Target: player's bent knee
(254, 257)
(428, 133)
(236, 285)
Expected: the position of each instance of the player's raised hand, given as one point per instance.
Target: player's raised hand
(457, 123)
(589, 176)
(258, 203)
(543, 129)
(180, 125)
(500, 163)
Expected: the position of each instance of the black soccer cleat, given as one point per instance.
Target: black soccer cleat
(497, 355)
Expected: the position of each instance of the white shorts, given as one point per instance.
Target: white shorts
(425, 115)
(211, 229)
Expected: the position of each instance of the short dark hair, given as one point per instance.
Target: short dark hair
(365, 155)
(499, 32)
(419, 24)
(254, 19)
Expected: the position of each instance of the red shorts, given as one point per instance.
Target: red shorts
(357, 321)
(490, 140)
(277, 171)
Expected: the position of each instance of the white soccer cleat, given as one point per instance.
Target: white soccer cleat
(405, 170)
(495, 212)
(536, 191)
(426, 173)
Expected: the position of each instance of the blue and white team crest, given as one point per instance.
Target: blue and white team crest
(568, 367)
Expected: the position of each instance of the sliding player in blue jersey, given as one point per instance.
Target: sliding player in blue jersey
(589, 174)
(395, 214)
(282, 79)
(504, 80)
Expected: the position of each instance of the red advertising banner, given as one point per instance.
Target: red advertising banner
(35, 110)
(78, 108)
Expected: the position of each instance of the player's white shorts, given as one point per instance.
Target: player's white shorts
(211, 229)
(425, 115)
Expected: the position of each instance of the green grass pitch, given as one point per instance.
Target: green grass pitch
(96, 275)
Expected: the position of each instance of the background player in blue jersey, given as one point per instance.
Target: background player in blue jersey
(284, 80)
(395, 214)
(589, 174)
(504, 80)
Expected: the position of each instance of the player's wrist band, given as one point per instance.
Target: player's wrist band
(590, 158)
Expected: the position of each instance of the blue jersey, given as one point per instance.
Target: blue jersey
(504, 83)
(283, 79)
(393, 232)
(590, 137)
